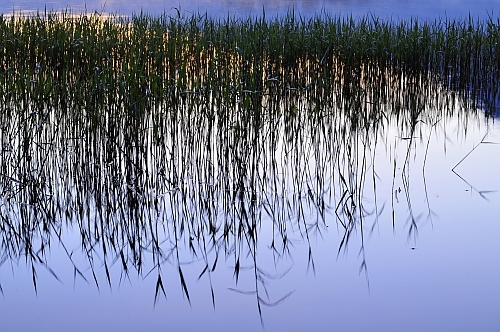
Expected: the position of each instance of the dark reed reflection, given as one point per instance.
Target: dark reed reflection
(169, 140)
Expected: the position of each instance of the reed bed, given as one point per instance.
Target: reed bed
(126, 60)
(170, 139)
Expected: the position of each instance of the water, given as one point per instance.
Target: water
(422, 254)
(388, 9)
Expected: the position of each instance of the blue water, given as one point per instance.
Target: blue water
(387, 9)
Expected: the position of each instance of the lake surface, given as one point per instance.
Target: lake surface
(394, 228)
(387, 9)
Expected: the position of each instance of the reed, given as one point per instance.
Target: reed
(128, 60)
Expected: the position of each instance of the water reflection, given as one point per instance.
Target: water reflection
(386, 9)
(232, 163)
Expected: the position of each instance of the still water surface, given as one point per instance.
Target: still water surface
(423, 256)
(387, 9)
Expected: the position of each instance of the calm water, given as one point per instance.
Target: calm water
(423, 254)
(389, 9)
(436, 268)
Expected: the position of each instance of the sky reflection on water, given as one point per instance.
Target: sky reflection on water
(387, 9)
(447, 271)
